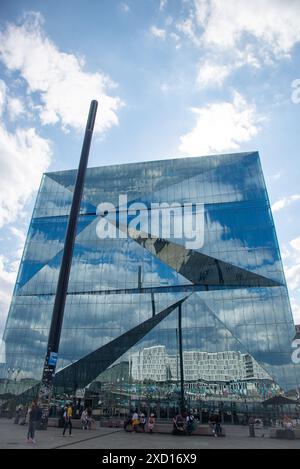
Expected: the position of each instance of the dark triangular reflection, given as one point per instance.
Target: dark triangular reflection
(85, 370)
(199, 268)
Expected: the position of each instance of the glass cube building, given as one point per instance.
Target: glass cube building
(121, 324)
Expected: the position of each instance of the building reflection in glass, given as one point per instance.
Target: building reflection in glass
(236, 339)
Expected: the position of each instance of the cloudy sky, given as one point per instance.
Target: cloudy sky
(173, 78)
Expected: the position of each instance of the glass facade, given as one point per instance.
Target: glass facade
(120, 329)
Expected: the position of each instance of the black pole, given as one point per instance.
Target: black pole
(46, 387)
(140, 278)
(182, 402)
(153, 304)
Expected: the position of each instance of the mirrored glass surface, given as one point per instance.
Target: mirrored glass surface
(237, 326)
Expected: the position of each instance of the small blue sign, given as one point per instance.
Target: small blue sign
(52, 359)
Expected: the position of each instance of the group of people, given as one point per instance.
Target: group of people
(86, 419)
(34, 416)
(138, 422)
(183, 424)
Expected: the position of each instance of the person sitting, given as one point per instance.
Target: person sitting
(287, 423)
(135, 421)
(84, 420)
(190, 421)
(90, 419)
(178, 425)
(142, 422)
(128, 423)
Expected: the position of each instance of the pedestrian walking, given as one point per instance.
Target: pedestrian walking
(151, 423)
(68, 413)
(215, 422)
(34, 415)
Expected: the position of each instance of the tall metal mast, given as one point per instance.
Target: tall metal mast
(46, 388)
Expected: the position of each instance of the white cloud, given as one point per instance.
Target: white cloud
(211, 74)
(125, 8)
(215, 68)
(275, 177)
(285, 202)
(162, 4)
(2, 96)
(221, 127)
(15, 108)
(293, 276)
(20, 236)
(159, 33)
(187, 27)
(65, 89)
(292, 264)
(168, 87)
(295, 243)
(275, 24)
(252, 33)
(165, 87)
(24, 156)
(296, 310)
(176, 40)
(8, 273)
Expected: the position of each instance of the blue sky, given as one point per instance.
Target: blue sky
(173, 78)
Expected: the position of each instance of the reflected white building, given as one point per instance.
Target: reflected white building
(154, 364)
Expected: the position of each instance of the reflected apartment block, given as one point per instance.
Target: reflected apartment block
(154, 364)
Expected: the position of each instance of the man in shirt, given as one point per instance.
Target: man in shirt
(68, 413)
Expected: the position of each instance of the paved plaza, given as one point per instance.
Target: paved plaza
(14, 437)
